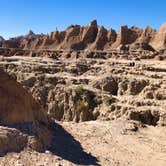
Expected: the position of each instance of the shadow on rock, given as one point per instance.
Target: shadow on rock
(62, 143)
(66, 147)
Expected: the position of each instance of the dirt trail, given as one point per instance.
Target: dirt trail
(99, 143)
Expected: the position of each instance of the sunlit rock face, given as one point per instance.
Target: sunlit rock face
(159, 41)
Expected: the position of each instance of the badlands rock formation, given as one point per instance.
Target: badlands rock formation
(113, 83)
(159, 41)
(88, 89)
(126, 103)
(23, 123)
(92, 37)
(17, 42)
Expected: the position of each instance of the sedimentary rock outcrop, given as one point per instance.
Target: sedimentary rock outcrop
(20, 41)
(23, 123)
(126, 36)
(89, 89)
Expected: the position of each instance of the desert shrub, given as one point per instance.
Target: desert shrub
(81, 105)
(79, 90)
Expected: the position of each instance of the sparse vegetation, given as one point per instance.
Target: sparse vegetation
(80, 90)
(81, 105)
(108, 100)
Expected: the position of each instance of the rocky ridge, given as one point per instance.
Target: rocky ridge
(93, 37)
(18, 42)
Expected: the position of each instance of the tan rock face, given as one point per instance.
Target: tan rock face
(159, 41)
(126, 36)
(72, 104)
(101, 39)
(23, 124)
(147, 36)
(111, 38)
(16, 104)
(90, 33)
(72, 37)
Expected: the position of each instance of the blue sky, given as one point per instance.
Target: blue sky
(43, 16)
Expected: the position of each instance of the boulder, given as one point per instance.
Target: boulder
(11, 139)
